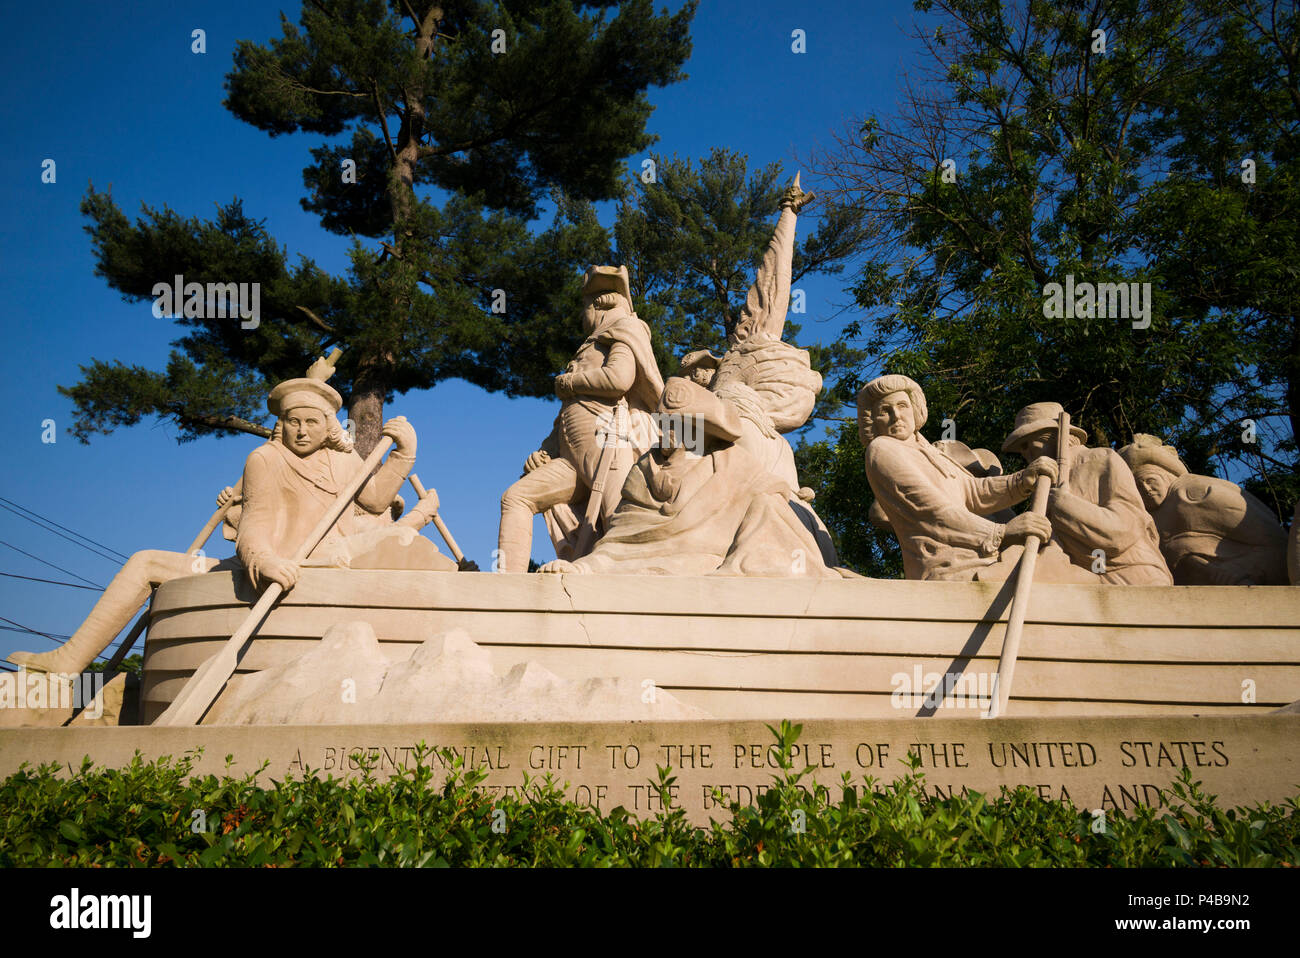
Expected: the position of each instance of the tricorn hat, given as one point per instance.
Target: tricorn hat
(978, 462)
(293, 393)
(1148, 450)
(1035, 418)
(607, 279)
(682, 397)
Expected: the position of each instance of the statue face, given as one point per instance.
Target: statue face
(893, 416)
(703, 376)
(1153, 482)
(305, 430)
(1041, 443)
(594, 306)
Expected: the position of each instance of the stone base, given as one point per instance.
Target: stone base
(1111, 763)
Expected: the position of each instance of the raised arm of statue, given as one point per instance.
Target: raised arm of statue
(768, 300)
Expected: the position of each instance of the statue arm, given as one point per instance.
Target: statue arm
(768, 299)
(253, 541)
(904, 489)
(612, 379)
(995, 493)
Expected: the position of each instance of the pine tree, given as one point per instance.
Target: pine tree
(445, 127)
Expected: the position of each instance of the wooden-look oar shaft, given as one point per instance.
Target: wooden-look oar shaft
(210, 678)
(437, 520)
(1024, 582)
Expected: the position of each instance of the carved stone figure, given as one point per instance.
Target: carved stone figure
(289, 485)
(1097, 516)
(614, 367)
(936, 507)
(1212, 532)
(378, 541)
(688, 513)
(770, 383)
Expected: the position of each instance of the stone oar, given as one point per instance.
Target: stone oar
(207, 682)
(437, 520)
(126, 644)
(1025, 580)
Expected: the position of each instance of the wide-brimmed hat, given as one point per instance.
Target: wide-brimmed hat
(293, 393)
(1035, 418)
(700, 359)
(607, 279)
(682, 397)
(1148, 450)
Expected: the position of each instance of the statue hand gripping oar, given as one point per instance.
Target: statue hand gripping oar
(206, 683)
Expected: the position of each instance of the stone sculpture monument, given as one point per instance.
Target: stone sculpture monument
(936, 507)
(717, 511)
(1212, 532)
(611, 383)
(149, 568)
(1097, 517)
(770, 383)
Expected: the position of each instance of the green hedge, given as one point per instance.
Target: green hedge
(146, 815)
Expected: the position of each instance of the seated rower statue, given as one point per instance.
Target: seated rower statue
(1212, 532)
(150, 568)
(288, 486)
(1098, 517)
(937, 508)
(711, 510)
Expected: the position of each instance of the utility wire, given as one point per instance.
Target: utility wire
(51, 564)
(23, 628)
(101, 545)
(39, 525)
(72, 585)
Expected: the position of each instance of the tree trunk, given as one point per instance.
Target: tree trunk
(366, 410)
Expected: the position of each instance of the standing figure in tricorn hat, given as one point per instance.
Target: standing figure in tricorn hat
(609, 390)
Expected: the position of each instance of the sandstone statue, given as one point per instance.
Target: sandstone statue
(289, 485)
(150, 568)
(937, 508)
(1097, 517)
(609, 390)
(716, 511)
(770, 383)
(1212, 532)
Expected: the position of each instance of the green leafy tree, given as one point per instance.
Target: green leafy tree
(1030, 148)
(457, 119)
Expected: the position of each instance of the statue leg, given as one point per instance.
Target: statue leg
(115, 608)
(546, 486)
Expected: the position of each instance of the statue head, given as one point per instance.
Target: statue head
(1155, 466)
(306, 410)
(892, 406)
(605, 288)
(1034, 434)
(700, 367)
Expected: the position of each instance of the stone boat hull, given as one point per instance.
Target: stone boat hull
(747, 648)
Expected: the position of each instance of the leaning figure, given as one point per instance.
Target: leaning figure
(1097, 517)
(1212, 532)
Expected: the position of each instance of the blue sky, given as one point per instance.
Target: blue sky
(113, 94)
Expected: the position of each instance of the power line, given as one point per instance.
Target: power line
(51, 564)
(23, 628)
(38, 525)
(71, 585)
(101, 545)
